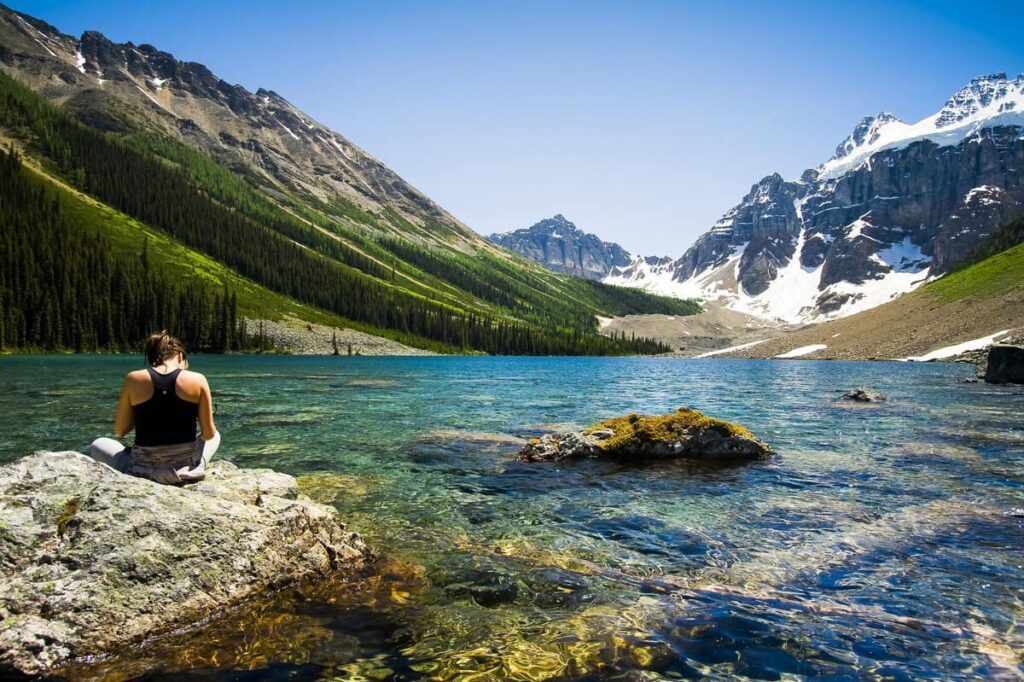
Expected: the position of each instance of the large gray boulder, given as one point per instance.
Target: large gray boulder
(92, 560)
(1005, 364)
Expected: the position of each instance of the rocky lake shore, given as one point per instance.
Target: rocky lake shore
(93, 560)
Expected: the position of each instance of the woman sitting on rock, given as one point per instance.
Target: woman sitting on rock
(162, 403)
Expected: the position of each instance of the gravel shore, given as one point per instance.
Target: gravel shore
(301, 338)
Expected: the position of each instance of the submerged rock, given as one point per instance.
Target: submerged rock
(686, 433)
(864, 395)
(1005, 364)
(93, 560)
(487, 587)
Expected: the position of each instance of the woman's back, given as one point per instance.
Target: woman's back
(165, 417)
(163, 403)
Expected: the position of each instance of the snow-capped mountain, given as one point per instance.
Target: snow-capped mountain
(895, 205)
(557, 244)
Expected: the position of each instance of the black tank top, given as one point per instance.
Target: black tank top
(165, 419)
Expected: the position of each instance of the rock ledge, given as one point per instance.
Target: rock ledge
(93, 560)
(685, 433)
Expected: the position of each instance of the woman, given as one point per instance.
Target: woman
(162, 403)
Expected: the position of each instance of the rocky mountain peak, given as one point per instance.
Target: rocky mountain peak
(559, 245)
(867, 131)
(980, 93)
(896, 205)
(557, 226)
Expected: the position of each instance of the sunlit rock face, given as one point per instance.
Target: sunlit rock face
(127, 87)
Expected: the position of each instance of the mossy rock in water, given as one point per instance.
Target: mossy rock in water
(686, 433)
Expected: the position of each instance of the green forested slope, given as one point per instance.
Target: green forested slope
(430, 298)
(62, 287)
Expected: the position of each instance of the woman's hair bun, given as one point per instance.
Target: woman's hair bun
(161, 346)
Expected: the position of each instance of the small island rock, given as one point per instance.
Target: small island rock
(1005, 364)
(93, 560)
(864, 395)
(685, 433)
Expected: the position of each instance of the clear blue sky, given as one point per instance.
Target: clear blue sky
(640, 121)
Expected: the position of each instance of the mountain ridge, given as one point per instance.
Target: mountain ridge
(896, 205)
(260, 131)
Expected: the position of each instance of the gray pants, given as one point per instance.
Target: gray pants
(115, 455)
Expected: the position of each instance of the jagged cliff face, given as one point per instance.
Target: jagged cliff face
(895, 205)
(559, 245)
(123, 87)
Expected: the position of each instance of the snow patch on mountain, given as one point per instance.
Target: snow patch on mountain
(793, 296)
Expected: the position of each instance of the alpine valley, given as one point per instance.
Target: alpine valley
(237, 219)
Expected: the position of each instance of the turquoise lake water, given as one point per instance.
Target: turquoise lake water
(880, 544)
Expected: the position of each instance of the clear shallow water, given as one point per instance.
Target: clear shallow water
(876, 546)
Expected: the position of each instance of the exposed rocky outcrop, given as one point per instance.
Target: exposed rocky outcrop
(864, 395)
(686, 433)
(559, 245)
(1005, 364)
(93, 560)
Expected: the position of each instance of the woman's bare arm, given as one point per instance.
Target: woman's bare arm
(124, 419)
(206, 428)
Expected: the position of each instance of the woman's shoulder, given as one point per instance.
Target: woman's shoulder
(191, 377)
(137, 376)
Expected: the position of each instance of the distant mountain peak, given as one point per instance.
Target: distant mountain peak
(979, 94)
(559, 245)
(556, 224)
(985, 102)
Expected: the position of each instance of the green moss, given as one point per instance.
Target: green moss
(667, 427)
(70, 509)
